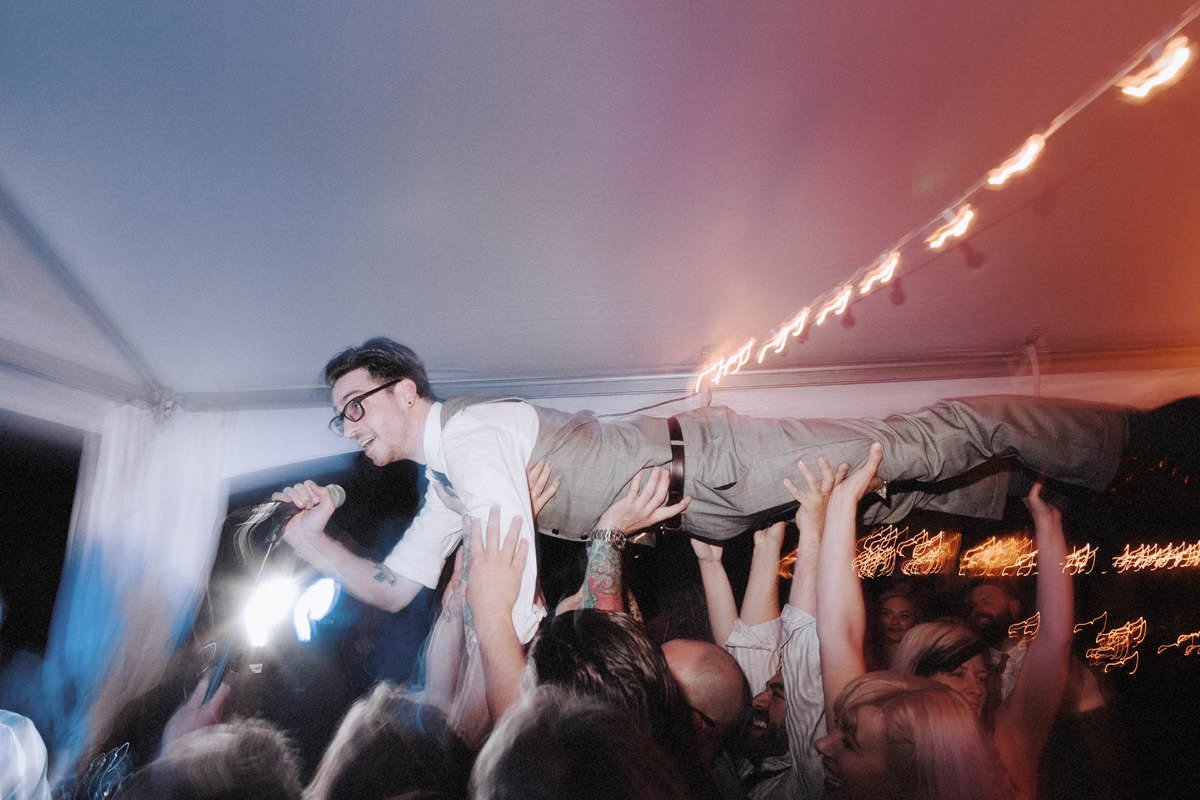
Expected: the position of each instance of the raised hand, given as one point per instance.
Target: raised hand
(706, 551)
(194, 714)
(642, 506)
(541, 488)
(862, 480)
(496, 567)
(814, 495)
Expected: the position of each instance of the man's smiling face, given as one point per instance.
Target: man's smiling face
(384, 431)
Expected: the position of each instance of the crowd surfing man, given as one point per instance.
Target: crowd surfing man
(722, 472)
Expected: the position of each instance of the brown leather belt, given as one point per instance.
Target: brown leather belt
(675, 487)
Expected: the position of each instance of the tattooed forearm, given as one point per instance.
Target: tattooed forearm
(602, 582)
(384, 575)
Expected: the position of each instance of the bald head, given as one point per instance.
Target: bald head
(712, 683)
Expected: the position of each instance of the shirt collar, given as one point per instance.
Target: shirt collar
(435, 457)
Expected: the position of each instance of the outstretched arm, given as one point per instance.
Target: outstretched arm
(444, 647)
(810, 521)
(718, 593)
(1023, 720)
(494, 575)
(841, 616)
(760, 603)
(370, 581)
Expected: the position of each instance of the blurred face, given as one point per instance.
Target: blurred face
(992, 612)
(856, 764)
(897, 615)
(969, 680)
(767, 734)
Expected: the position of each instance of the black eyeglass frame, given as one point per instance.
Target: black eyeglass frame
(338, 423)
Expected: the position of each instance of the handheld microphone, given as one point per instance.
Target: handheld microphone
(257, 530)
(262, 525)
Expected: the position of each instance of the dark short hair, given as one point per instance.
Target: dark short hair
(385, 360)
(609, 657)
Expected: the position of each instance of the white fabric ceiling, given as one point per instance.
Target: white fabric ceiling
(578, 197)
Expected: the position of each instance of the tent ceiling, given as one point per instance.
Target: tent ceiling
(573, 197)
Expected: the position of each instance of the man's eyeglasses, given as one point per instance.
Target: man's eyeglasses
(353, 410)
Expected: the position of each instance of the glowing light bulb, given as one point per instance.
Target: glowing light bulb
(1155, 557)
(266, 607)
(1019, 162)
(1081, 560)
(881, 273)
(955, 228)
(1164, 71)
(794, 327)
(931, 555)
(1000, 556)
(1189, 642)
(1026, 627)
(1117, 648)
(312, 606)
(730, 365)
(837, 305)
(876, 554)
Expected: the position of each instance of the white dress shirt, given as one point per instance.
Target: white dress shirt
(483, 452)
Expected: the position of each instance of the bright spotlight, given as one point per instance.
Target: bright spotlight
(312, 606)
(267, 606)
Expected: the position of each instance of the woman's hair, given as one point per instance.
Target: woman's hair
(932, 648)
(557, 744)
(935, 749)
(388, 744)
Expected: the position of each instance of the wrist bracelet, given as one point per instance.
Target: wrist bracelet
(613, 536)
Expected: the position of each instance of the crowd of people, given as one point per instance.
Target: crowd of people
(831, 694)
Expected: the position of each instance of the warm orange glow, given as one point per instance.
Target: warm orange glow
(1155, 557)
(836, 306)
(729, 365)
(1188, 642)
(1081, 560)
(1019, 162)
(1116, 648)
(794, 327)
(881, 273)
(1164, 71)
(1000, 556)
(876, 554)
(1026, 627)
(930, 555)
(954, 229)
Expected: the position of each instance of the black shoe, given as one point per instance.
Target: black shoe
(1168, 435)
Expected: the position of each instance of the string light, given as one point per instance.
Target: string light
(956, 227)
(1175, 55)
(730, 365)
(1164, 71)
(1189, 642)
(876, 555)
(1081, 560)
(1156, 557)
(1026, 627)
(837, 305)
(880, 274)
(1118, 647)
(931, 555)
(1019, 162)
(794, 327)
(1000, 557)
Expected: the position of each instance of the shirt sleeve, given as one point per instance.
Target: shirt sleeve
(487, 449)
(756, 649)
(430, 538)
(805, 700)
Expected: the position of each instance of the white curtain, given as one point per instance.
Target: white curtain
(142, 542)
